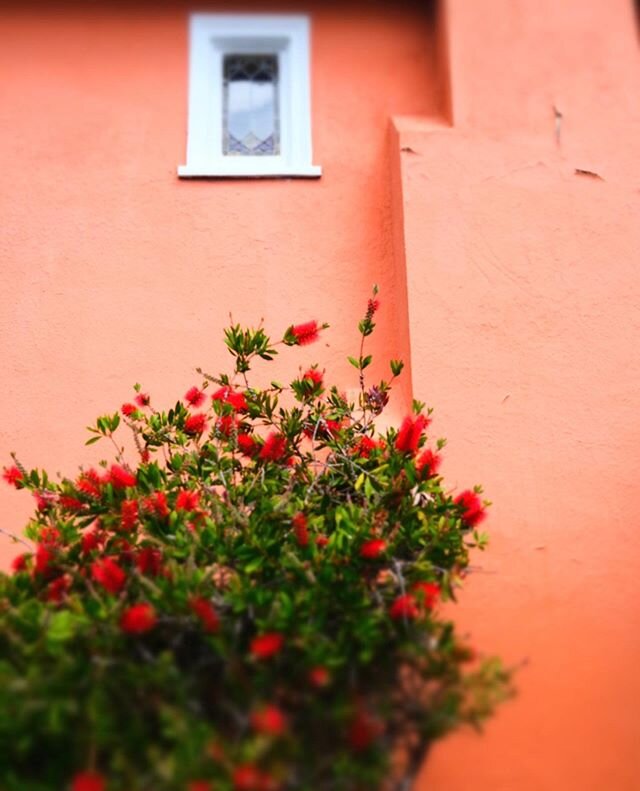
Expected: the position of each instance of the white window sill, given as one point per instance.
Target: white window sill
(268, 171)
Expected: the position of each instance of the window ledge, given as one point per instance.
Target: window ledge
(268, 171)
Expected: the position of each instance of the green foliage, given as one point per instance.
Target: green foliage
(254, 603)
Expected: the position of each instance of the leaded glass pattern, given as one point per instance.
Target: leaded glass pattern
(250, 123)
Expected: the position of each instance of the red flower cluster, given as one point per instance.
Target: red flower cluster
(410, 433)
(274, 448)
(128, 514)
(89, 483)
(138, 619)
(90, 541)
(43, 560)
(194, 397)
(405, 607)
(319, 676)
(187, 500)
(428, 463)
(302, 334)
(57, 589)
(266, 645)
(19, 563)
(227, 425)
(472, 508)
(373, 548)
(12, 476)
(247, 445)
(269, 720)
(128, 410)
(301, 529)
(143, 399)
(120, 478)
(156, 503)
(88, 781)
(428, 593)
(149, 561)
(365, 445)
(314, 377)
(109, 574)
(364, 729)
(226, 395)
(195, 424)
(206, 613)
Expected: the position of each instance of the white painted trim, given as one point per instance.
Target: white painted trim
(211, 37)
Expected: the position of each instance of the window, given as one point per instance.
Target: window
(249, 102)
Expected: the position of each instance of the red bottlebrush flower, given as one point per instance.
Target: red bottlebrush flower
(473, 511)
(269, 720)
(149, 561)
(143, 399)
(373, 548)
(322, 541)
(195, 424)
(43, 560)
(364, 729)
(226, 395)
(247, 445)
(49, 536)
(138, 619)
(427, 463)
(44, 500)
(264, 646)
(427, 592)
(57, 589)
(247, 778)
(410, 433)
(206, 613)
(372, 306)
(274, 448)
(12, 476)
(68, 503)
(405, 607)
(128, 410)
(302, 334)
(19, 563)
(194, 397)
(89, 483)
(365, 446)
(128, 514)
(120, 478)
(88, 781)
(145, 455)
(314, 376)
(227, 425)
(90, 541)
(107, 572)
(319, 676)
(187, 500)
(157, 504)
(301, 529)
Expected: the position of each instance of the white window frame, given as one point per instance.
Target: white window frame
(212, 36)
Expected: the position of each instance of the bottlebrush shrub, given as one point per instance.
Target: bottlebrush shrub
(253, 604)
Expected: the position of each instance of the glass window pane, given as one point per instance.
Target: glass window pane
(251, 126)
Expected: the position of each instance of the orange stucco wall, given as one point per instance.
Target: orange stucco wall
(508, 282)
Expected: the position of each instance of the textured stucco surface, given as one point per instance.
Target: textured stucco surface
(523, 295)
(114, 271)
